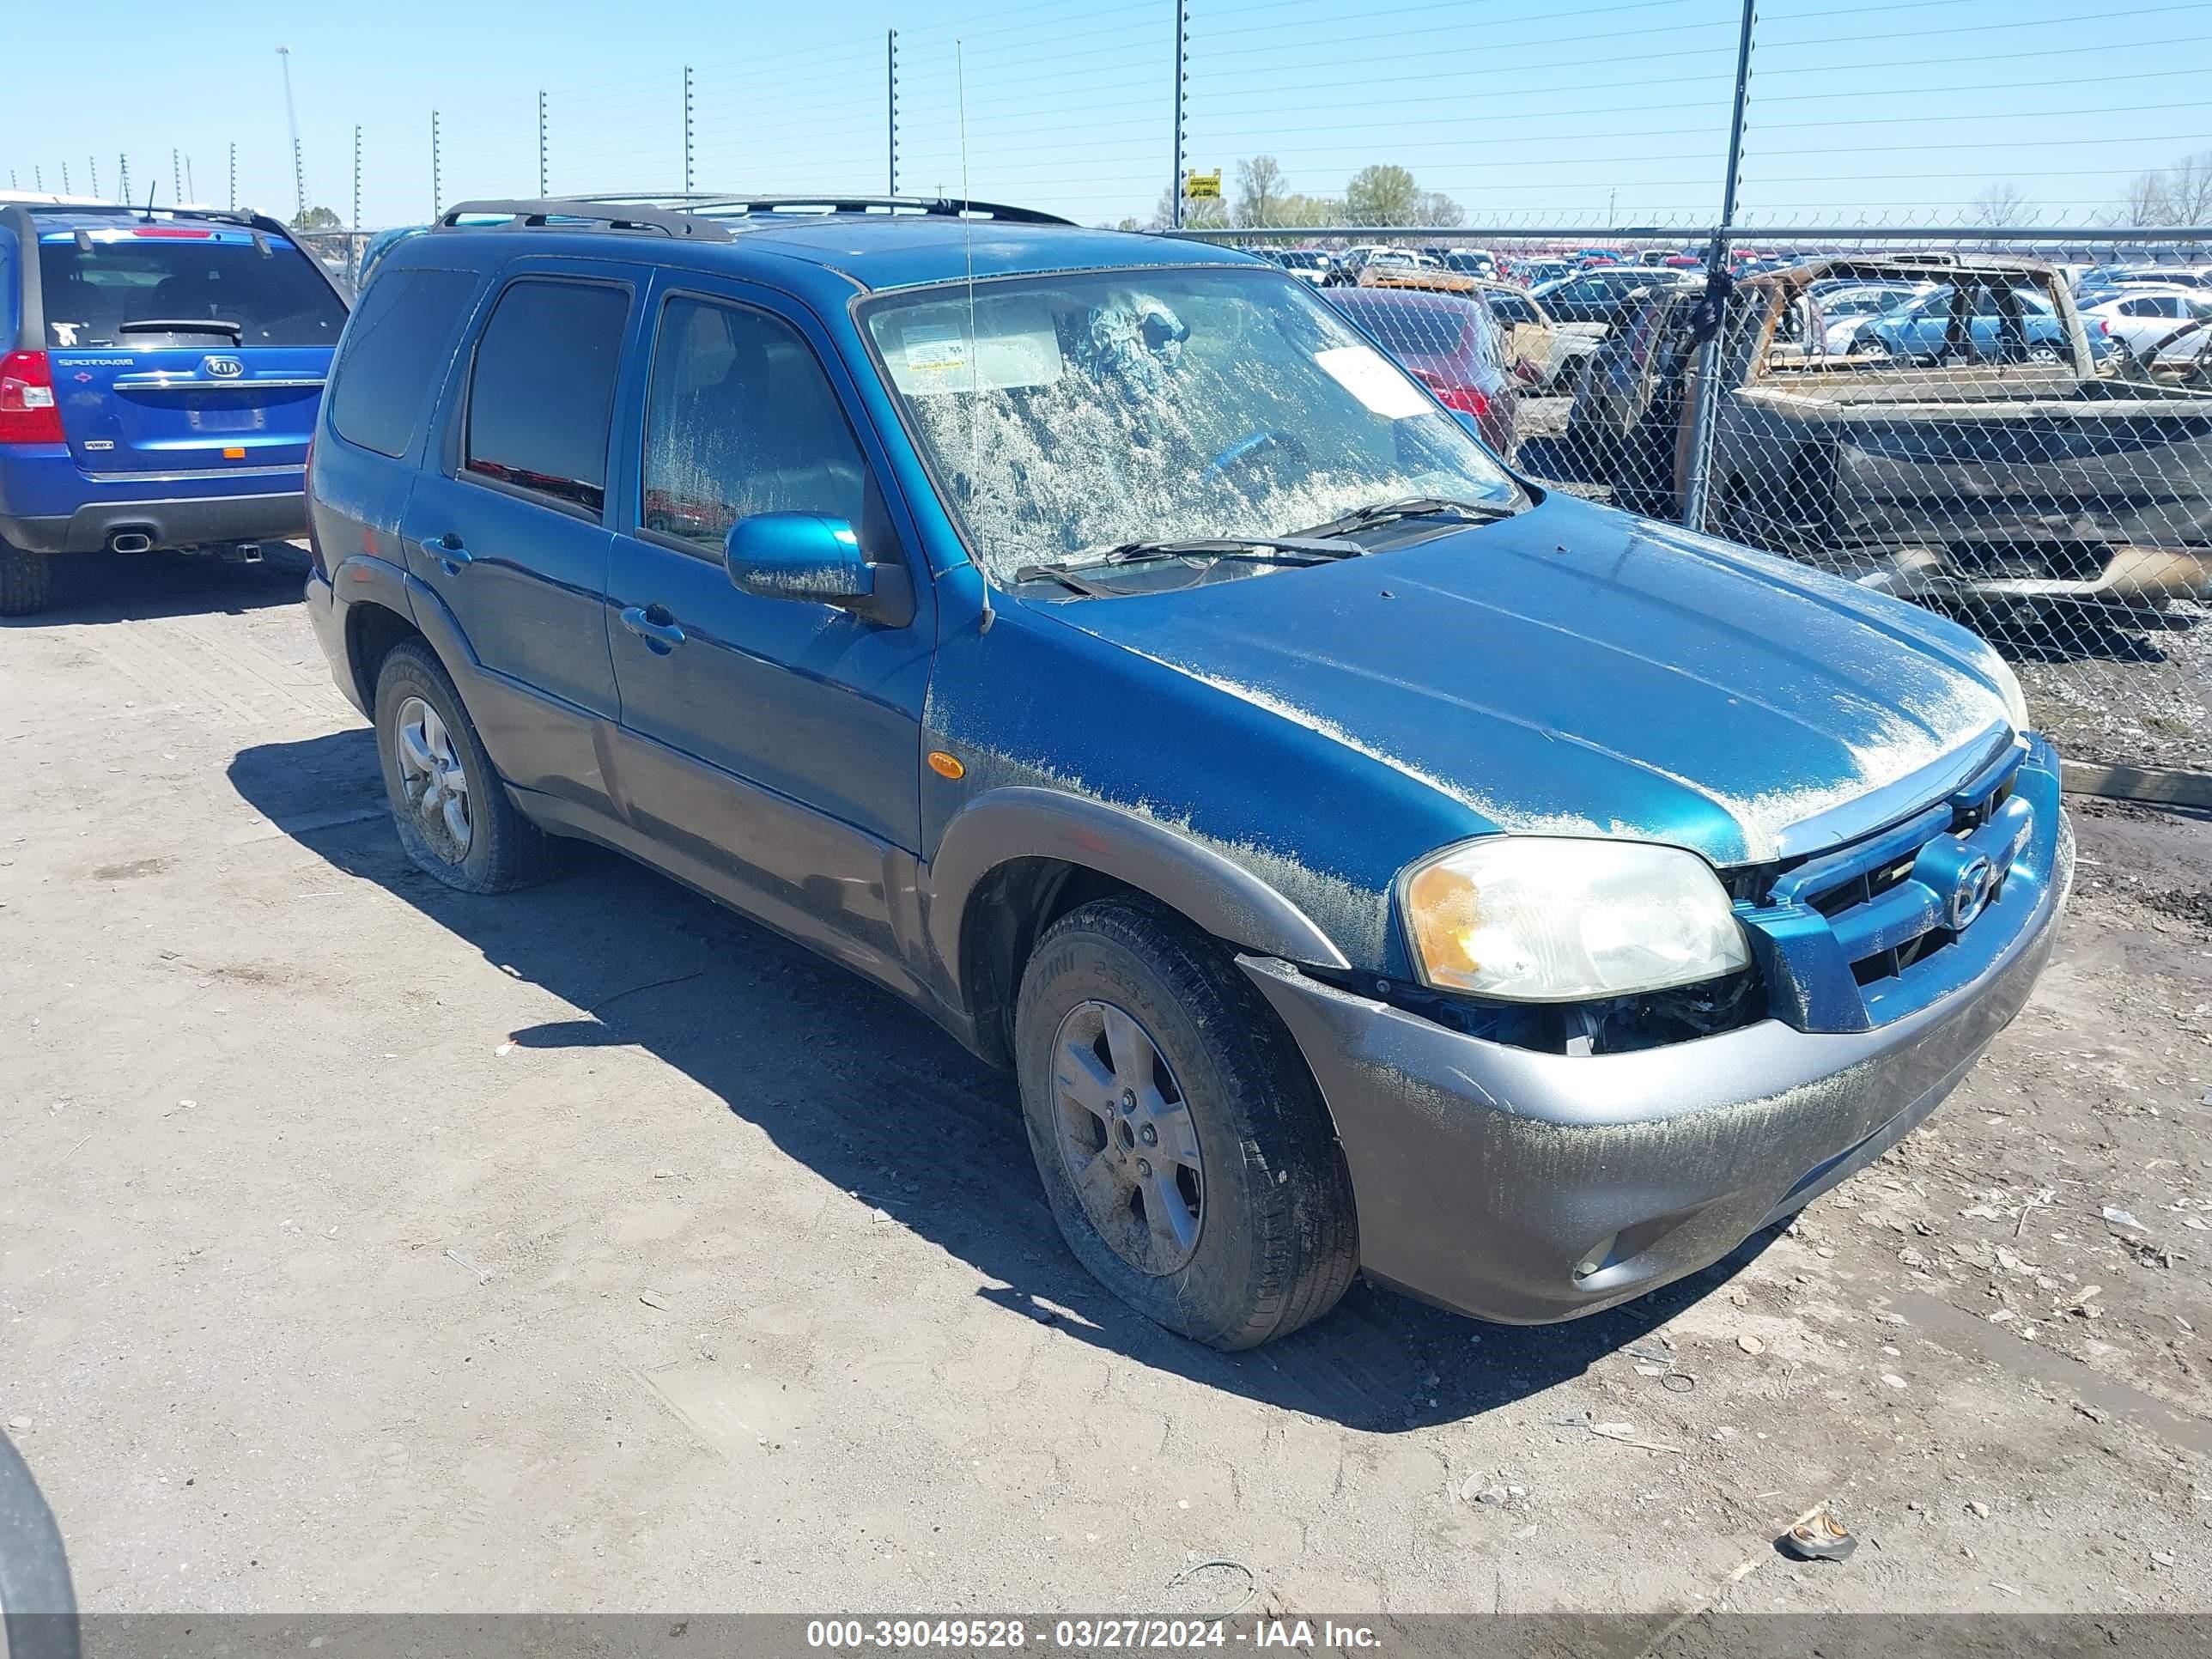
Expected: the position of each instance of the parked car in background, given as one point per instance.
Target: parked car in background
(2142, 319)
(1548, 353)
(1345, 269)
(1959, 321)
(159, 381)
(1452, 346)
(2161, 276)
(1535, 273)
(1404, 267)
(2015, 477)
(1361, 861)
(1471, 262)
(1309, 264)
(1835, 312)
(1595, 295)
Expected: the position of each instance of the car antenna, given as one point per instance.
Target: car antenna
(975, 369)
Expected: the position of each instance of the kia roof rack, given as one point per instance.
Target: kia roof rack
(727, 205)
(583, 214)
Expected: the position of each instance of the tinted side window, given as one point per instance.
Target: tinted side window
(399, 337)
(741, 420)
(542, 391)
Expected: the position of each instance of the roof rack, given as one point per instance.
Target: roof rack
(239, 217)
(707, 204)
(584, 211)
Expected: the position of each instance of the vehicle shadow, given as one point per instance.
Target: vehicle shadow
(875, 1098)
(111, 587)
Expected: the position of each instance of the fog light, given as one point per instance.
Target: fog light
(1600, 1256)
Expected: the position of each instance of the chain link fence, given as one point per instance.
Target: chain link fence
(2011, 426)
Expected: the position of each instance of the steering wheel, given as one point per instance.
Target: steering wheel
(1248, 448)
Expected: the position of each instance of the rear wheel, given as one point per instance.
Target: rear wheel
(27, 581)
(1185, 1152)
(448, 805)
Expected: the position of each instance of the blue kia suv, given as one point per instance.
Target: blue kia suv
(1364, 858)
(158, 376)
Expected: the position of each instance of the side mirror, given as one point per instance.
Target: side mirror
(815, 558)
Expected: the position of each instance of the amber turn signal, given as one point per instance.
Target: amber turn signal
(944, 765)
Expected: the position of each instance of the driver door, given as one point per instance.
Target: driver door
(769, 748)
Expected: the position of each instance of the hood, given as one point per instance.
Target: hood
(1573, 670)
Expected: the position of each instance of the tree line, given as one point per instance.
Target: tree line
(1381, 194)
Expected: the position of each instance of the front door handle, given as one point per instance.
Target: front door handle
(448, 550)
(652, 625)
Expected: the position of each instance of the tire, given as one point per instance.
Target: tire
(1273, 1239)
(501, 850)
(27, 582)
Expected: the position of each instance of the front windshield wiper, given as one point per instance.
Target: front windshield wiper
(1418, 506)
(1299, 550)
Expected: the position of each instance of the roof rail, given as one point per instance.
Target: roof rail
(938, 206)
(614, 216)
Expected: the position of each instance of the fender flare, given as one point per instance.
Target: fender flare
(379, 581)
(1017, 821)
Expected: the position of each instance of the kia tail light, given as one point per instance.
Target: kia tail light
(28, 413)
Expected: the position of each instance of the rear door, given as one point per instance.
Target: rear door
(506, 520)
(180, 348)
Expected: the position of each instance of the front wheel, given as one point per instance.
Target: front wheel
(27, 581)
(1185, 1152)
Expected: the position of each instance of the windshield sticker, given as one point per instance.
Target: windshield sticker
(1369, 376)
(934, 349)
(65, 333)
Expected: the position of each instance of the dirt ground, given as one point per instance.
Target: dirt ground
(365, 1246)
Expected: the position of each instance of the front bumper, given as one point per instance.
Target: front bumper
(1485, 1173)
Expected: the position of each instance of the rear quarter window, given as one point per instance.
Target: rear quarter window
(381, 387)
(106, 294)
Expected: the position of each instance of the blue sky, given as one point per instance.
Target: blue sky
(1875, 111)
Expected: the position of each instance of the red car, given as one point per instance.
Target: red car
(1450, 341)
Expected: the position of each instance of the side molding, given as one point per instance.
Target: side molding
(1018, 821)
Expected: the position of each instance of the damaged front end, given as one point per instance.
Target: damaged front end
(1535, 1164)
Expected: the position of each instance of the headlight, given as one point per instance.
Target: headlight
(2014, 700)
(1528, 919)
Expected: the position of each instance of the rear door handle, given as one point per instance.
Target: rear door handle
(642, 621)
(448, 550)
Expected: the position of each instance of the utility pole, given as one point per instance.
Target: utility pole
(123, 171)
(38, 178)
(687, 129)
(1181, 76)
(890, 87)
(65, 183)
(543, 190)
(191, 189)
(356, 177)
(437, 194)
(176, 176)
(234, 177)
(292, 120)
(92, 165)
(1716, 288)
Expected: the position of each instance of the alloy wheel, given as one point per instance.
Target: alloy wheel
(432, 779)
(1127, 1138)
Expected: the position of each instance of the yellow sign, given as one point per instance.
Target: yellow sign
(1197, 186)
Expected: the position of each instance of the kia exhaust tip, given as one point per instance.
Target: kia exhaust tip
(130, 541)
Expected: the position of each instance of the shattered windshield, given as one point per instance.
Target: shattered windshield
(1064, 415)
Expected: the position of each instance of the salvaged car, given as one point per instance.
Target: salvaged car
(1363, 858)
(1963, 449)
